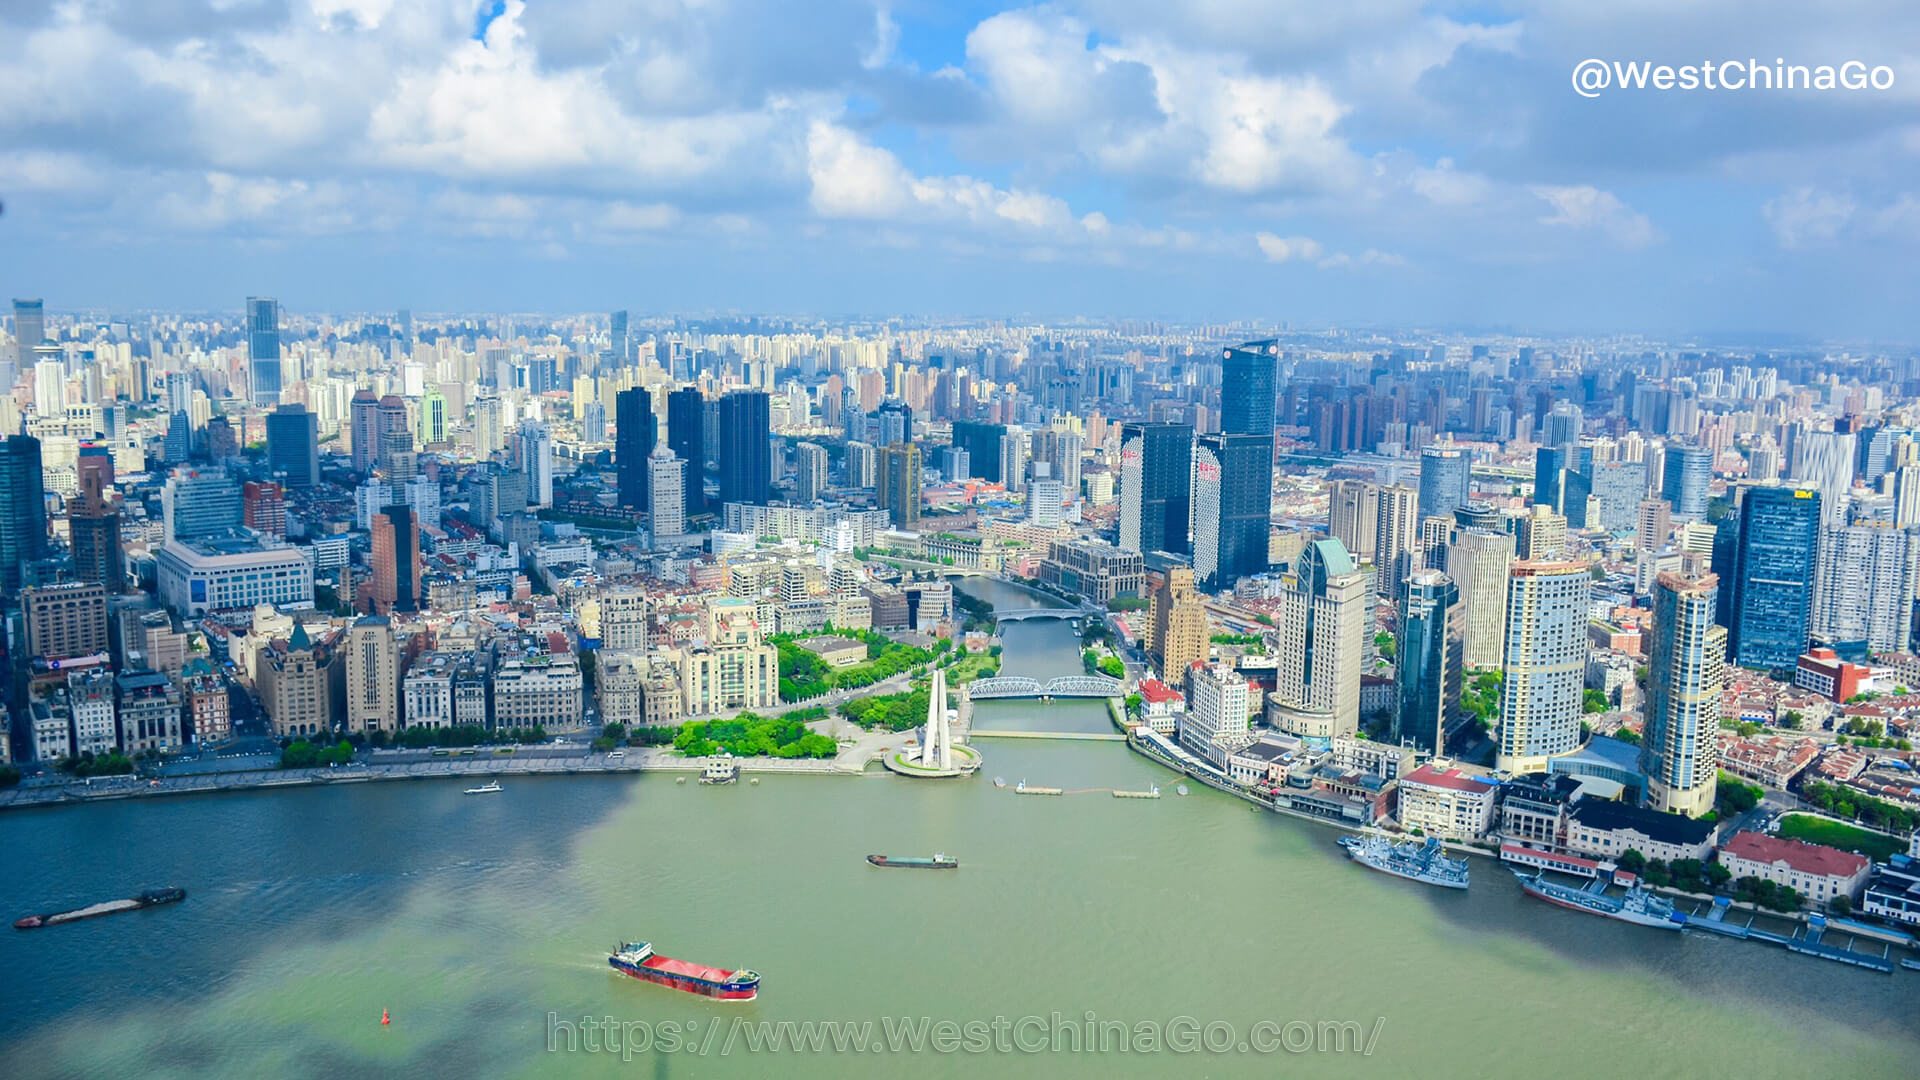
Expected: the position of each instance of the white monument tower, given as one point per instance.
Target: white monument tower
(936, 748)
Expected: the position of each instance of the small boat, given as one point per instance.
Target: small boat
(1910, 965)
(637, 958)
(916, 862)
(488, 788)
(150, 898)
(720, 770)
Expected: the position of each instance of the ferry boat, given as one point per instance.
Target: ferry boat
(1638, 906)
(1424, 861)
(720, 770)
(150, 898)
(637, 958)
(915, 862)
(488, 788)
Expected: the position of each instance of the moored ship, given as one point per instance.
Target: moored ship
(1424, 861)
(637, 958)
(1637, 906)
(150, 898)
(915, 862)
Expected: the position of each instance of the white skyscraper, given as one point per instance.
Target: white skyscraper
(1546, 663)
(668, 476)
(536, 461)
(1865, 585)
(1323, 636)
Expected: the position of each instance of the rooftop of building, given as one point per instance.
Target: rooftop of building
(1605, 815)
(1815, 859)
(1159, 693)
(1453, 779)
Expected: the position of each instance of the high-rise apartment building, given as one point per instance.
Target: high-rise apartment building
(1864, 593)
(1686, 670)
(1546, 663)
(809, 472)
(1427, 661)
(1156, 487)
(1396, 537)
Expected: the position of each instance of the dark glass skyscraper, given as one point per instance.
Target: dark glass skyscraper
(746, 451)
(263, 349)
(1232, 491)
(1156, 482)
(981, 441)
(687, 438)
(1247, 390)
(293, 445)
(1426, 674)
(1772, 583)
(1549, 469)
(635, 432)
(23, 508)
(1685, 474)
(1444, 480)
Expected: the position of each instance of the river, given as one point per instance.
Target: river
(476, 921)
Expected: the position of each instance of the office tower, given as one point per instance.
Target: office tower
(1177, 626)
(1619, 486)
(1232, 497)
(892, 423)
(65, 621)
(809, 472)
(23, 509)
(1324, 627)
(293, 445)
(199, 504)
(899, 485)
(593, 423)
(1653, 525)
(1686, 669)
(746, 452)
(1396, 537)
(1435, 534)
(1156, 487)
(635, 433)
(1061, 451)
(1045, 499)
(686, 437)
(178, 444)
(263, 350)
(1546, 663)
(1564, 424)
(1771, 556)
(863, 465)
(1477, 561)
(536, 462)
(364, 419)
(1824, 461)
(373, 679)
(489, 428)
(1542, 535)
(29, 329)
(49, 383)
(1906, 496)
(434, 419)
(666, 481)
(1549, 473)
(263, 508)
(396, 560)
(1688, 471)
(93, 525)
(1014, 455)
(1428, 661)
(390, 420)
(1247, 375)
(1353, 516)
(981, 441)
(1864, 590)
(1445, 479)
(617, 337)
(1216, 722)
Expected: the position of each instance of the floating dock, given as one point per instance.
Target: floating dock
(1807, 942)
(1153, 793)
(1025, 789)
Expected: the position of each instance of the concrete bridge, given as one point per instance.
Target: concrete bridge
(1020, 686)
(1021, 614)
(1079, 736)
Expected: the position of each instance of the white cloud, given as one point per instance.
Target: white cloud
(1805, 217)
(1285, 248)
(1587, 207)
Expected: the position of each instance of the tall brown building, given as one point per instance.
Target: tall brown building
(65, 620)
(93, 524)
(1177, 626)
(263, 506)
(899, 484)
(396, 561)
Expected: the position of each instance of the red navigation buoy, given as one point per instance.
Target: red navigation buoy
(383, 1017)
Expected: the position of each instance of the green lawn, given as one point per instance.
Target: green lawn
(1816, 830)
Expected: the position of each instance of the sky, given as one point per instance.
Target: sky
(1369, 162)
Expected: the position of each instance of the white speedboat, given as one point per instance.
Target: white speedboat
(489, 788)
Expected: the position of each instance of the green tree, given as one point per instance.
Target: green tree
(1134, 704)
(1632, 861)
(1594, 701)
(9, 776)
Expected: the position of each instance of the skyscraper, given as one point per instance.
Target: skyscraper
(200, 503)
(1549, 471)
(1156, 481)
(617, 337)
(1323, 631)
(1427, 661)
(536, 462)
(1688, 470)
(373, 679)
(364, 418)
(666, 482)
(1232, 494)
(809, 472)
(1396, 536)
(293, 445)
(1863, 596)
(1686, 667)
(1546, 663)
(29, 329)
(93, 524)
(746, 451)
(899, 484)
(635, 432)
(1247, 389)
(1353, 516)
(1477, 560)
(1772, 556)
(686, 437)
(981, 441)
(1445, 479)
(1177, 626)
(396, 560)
(263, 350)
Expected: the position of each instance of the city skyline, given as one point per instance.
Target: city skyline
(1105, 158)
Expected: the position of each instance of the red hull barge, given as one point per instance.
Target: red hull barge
(636, 958)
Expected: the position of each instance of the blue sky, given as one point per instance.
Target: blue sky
(1381, 162)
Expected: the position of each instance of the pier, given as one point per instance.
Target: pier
(1808, 942)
